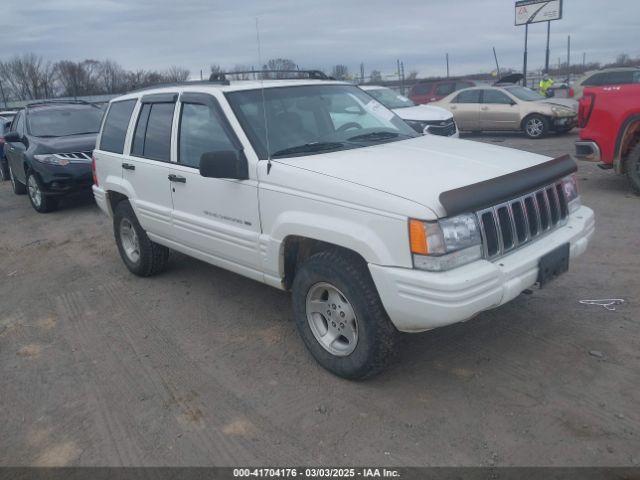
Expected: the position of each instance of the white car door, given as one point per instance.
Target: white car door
(215, 219)
(147, 165)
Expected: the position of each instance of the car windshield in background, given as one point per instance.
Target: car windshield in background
(309, 119)
(524, 93)
(64, 121)
(390, 99)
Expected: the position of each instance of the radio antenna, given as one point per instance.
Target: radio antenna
(264, 102)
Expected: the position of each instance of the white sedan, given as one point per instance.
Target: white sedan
(422, 118)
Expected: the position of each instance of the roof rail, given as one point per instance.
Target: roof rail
(51, 101)
(276, 74)
(181, 84)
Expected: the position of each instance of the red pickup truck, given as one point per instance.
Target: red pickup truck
(610, 121)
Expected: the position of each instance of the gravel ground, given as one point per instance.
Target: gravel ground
(199, 366)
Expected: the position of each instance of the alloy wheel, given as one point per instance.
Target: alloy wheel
(332, 319)
(129, 240)
(535, 127)
(35, 194)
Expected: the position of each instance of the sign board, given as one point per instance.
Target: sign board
(534, 11)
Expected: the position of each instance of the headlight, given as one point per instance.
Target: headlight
(570, 188)
(445, 244)
(52, 160)
(417, 125)
(562, 111)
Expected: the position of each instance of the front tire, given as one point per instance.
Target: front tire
(536, 126)
(340, 316)
(632, 167)
(141, 256)
(18, 188)
(40, 202)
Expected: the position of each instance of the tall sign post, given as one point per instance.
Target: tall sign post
(535, 11)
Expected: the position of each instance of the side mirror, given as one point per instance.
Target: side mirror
(224, 164)
(13, 137)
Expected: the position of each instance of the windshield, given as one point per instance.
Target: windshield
(308, 119)
(524, 93)
(390, 99)
(64, 121)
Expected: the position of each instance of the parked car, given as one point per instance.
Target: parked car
(561, 90)
(509, 108)
(5, 124)
(609, 118)
(606, 76)
(422, 118)
(8, 114)
(374, 230)
(426, 91)
(48, 149)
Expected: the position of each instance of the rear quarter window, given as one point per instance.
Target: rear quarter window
(421, 89)
(115, 126)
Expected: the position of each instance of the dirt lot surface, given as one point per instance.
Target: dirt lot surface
(199, 366)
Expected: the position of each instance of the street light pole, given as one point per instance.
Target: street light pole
(546, 61)
(524, 66)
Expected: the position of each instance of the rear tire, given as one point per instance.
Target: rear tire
(333, 294)
(141, 256)
(535, 126)
(632, 167)
(40, 202)
(18, 188)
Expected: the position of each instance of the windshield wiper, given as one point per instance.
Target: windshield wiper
(376, 136)
(308, 148)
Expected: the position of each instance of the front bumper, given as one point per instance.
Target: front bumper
(563, 123)
(417, 300)
(588, 150)
(59, 180)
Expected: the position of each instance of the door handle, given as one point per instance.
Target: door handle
(128, 166)
(177, 178)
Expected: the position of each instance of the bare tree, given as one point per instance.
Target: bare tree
(240, 76)
(112, 77)
(176, 74)
(340, 72)
(278, 64)
(28, 77)
(78, 78)
(375, 76)
(413, 74)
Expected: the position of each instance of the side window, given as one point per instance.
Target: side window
(421, 89)
(468, 96)
(201, 131)
(152, 138)
(594, 80)
(618, 78)
(463, 84)
(115, 126)
(18, 123)
(495, 96)
(445, 89)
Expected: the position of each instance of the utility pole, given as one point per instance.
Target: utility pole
(200, 74)
(447, 57)
(524, 63)
(568, 57)
(546, 60)
(402, 76)
(584, 59)
(495, 56)
(361, 72)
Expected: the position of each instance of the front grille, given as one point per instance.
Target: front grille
(512, 224)
(445, 128)
(82, 156)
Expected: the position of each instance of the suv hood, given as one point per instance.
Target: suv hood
(419, 169)
(423, 113)
(70, 144)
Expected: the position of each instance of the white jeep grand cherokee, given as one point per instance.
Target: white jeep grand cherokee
(314, 187)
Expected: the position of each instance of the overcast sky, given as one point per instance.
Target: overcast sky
(154, 34)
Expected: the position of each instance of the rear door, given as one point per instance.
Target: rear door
(466, 109)
(147, 166)
(216, 219)
(421, 93)
(498, 111)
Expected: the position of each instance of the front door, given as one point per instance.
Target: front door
(15, 150)
(216, 219)
(498, 111)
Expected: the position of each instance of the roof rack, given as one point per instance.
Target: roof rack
(181, 84)
(275, 75)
